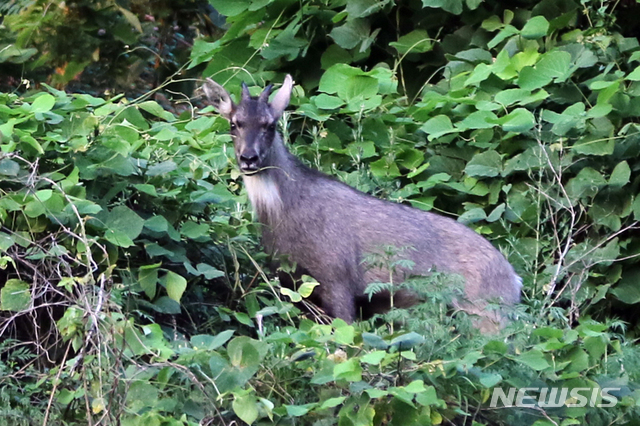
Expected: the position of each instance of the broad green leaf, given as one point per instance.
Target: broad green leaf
(246, 408)
(374, 357)
(9, 167)
(376, 393)
(416, 386)
(586, 184)
(118, 238)
(126, 136)
(603, 84)
(43, 103)
(603, 214)
(600, 110)
(298, 410)
(492, 23)
(634, 75)
(496, 346)
(358, 87)
(478, 120)
(480, 73)
(620, 175)
(535, 27)
(473, 215)
(161, 168)
(531, 78)
(243, 318)
(519, 120)
(335, 54)
(247, 353)
(175, 285)
(572, 118)
(30, 140)
(332, 402)
(6, 241)
(475, 56)
(635, 207)
(407, 341)
(534, 359)
(344, 335)
(146, 188)
(285, 45)
(306, 288)
(363, 8)
(294, 296)
(452, 6)
(13, 54)
(157, 224)
(230, 8)
(417, 41)
(387, 79)
(350, 34)
(489, 380)
(154, 108)
(34, 208)
(579, 360)
(362, 150)
(374, 341)
(548, 332)
(131, 18)
(555, 64)
(15, 295)
(627, 290)
(332, 80)
(209, 271)
(125, 221)
(484, 164)
(594, 146)
(505, 33)
(496, 213)
(385, 168)
(167, 306)
(84, 207)
(349, 370)
(427, 398)
(206, 341)
(148, 279)
(194, 230)
(438, 126)
(324, 101)
(511, 96)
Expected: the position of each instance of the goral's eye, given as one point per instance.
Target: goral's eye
(271, 127)
(235, 125)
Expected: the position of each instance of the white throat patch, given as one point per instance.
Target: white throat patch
(263, 194)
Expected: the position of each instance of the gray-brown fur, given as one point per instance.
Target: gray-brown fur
(326, 227)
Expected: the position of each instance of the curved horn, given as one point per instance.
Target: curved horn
(245, 92)
(281, 99)
(264, 96)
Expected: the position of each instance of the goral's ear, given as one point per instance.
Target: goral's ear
(281, 99)
(218, 97)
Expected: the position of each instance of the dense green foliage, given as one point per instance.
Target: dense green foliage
(134, 290)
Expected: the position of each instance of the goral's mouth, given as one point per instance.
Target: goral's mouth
(249, 169)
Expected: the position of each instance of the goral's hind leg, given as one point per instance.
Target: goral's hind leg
(337, 300)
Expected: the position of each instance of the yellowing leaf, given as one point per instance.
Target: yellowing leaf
(176, 285)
